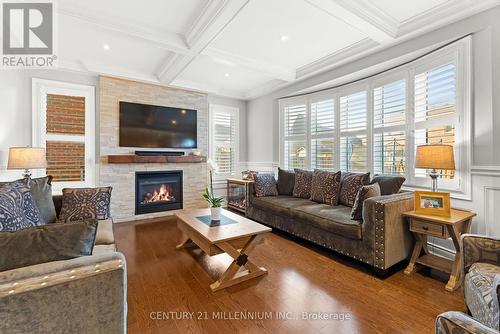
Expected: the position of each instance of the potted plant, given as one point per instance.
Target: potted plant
(215, 204)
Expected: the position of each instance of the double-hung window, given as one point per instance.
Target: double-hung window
(375, 124)
(224, 139)
(353, 132)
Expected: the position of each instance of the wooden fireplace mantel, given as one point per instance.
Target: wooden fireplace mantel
(143, 159)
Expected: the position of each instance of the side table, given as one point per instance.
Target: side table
(423, 225)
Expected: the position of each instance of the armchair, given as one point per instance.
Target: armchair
(481, 284)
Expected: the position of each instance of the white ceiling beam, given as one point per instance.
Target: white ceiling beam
(214, 18)
(270, 70)
(163, 39)
(362, 15)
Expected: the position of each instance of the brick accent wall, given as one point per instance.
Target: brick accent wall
(65, 114)
(122, 176)
(66, 161)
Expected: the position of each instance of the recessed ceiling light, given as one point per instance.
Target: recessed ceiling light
(226, 75)
(284, 38)
(174, 122)
(106, 47)
(183, 112)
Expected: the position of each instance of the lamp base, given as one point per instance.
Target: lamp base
(434, 176)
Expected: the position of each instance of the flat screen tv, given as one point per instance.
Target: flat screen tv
(143, 125)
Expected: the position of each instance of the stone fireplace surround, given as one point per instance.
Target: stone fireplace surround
(122, 176)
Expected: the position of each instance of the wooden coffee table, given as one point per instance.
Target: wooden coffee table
(237, 237)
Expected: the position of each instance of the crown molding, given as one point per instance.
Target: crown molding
(344, 55)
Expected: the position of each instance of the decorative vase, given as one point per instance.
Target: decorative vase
(215, 213)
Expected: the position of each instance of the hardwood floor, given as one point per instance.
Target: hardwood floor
(302, 278)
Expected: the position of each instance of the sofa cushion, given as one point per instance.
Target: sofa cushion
(17, 207)
(389, 185)
(286, 182)
(265, 185)
(349, 186)
(85, 203)
(303, 182)
(47, 243)
(333, 219)
(41, 190)
(104, 235)
(365, 192)
(325, 187)
(279, 204)
(479, 294)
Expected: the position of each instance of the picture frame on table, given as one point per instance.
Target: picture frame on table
(433, 203)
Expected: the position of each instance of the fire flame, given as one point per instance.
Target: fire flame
(158, 195)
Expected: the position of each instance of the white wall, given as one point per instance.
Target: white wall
(262, 113)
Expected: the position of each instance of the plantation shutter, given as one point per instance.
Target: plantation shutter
(322, 134)
(353, 132)
(389, 119)
(295, 130)
(435, 110)
(224, 141)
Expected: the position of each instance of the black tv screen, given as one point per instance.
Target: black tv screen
(143, 125)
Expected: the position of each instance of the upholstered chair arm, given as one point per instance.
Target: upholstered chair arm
(385, 229)
(80, 295)
(453, 322)
(477, 248)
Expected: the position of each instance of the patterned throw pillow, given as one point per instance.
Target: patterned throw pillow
(364, 192)
(265, 185)
(286, 182)
(325, 187)
(85, 203)
(389, 185)
(303, 183)
(349, 186)
(17, 208)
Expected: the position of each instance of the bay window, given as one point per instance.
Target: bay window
(375, 124)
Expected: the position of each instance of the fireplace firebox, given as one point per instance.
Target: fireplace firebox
(158, 191)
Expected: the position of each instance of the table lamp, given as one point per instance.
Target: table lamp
(435, 157)
(27, 158)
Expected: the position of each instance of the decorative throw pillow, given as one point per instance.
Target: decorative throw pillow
(364, 192)
(349, 186)
(303, 183)
(41, 191)
(85, 203)
(17, 208)
(265, 185)
(286, 182)
(389, 185)
(41, 244)
(325, 187)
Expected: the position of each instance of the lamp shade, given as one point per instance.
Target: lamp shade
(435, 157)
(26, 158)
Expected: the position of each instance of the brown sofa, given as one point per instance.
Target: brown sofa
(381, 240)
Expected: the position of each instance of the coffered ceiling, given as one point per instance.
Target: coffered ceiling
(239, 48)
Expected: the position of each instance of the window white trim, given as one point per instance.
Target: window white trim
(40, 89)
(459, 54)
(234, 112)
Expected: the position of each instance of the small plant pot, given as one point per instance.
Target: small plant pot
(216, 213)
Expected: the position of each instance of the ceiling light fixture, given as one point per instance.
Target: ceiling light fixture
(106, 47)
(284, 38)
(226, 75)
